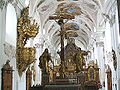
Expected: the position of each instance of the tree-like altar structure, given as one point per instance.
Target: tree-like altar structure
(62, 15)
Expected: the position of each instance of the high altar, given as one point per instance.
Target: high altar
(71, 74)
(77, 74)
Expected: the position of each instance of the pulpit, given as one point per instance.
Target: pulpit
(7, 73)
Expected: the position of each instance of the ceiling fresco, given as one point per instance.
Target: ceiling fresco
(81, 27)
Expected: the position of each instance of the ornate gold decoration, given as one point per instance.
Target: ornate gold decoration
(80, 60)
(93, 71)
(59, 18)
(25, 30)
(91, 74)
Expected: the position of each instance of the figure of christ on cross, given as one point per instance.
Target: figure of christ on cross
(60, 20)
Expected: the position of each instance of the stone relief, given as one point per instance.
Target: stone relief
(9, 50)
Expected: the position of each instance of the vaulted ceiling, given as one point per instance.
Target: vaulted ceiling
(85, 19)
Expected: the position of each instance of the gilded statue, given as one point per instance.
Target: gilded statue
(25, 30)
(44, 60)
(80, 60)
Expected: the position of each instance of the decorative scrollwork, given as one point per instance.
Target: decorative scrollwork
(25, 30)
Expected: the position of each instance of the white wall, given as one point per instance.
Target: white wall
(11, 25)
(8, 35)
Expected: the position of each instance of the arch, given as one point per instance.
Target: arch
(11, 24)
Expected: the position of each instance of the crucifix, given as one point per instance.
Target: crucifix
(60, 20)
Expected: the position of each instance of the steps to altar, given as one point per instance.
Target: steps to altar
(64, 82)
(62, 87)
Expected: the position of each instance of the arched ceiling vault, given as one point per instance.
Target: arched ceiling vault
(86, 20)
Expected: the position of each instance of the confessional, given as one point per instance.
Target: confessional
(7, 75)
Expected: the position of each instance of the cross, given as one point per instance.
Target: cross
(60, 20)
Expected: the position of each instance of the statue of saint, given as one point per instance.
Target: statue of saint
(114, 59)
(43, 61)
(80, 60)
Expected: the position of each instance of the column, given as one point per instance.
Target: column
(101, 61)
(39, 49)
(2, 33)
(118, 65)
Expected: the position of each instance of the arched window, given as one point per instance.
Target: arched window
(11, 25)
